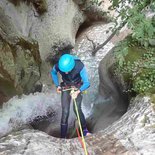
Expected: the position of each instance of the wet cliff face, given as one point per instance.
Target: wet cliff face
(52, 24)
(19, 60)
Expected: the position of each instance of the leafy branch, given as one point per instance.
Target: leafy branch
(131, 14)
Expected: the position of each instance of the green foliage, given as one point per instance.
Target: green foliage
(143, 29)
(133, 14)
(121, 51)
(136, 64)
(144, 82)
(139, 68)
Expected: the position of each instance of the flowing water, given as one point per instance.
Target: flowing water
(18, 111)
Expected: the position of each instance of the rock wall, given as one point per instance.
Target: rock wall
(133, 134)
(19, 60)
(55, 28)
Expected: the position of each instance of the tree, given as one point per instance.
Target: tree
(140, 69)
(132, 13)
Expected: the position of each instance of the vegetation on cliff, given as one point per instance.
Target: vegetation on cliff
(136, 54)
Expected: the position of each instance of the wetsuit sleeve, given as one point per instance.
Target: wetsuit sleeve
(85, 80)
(55, 76)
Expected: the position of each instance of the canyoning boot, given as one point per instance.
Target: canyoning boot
(86, 132)
(64, 130)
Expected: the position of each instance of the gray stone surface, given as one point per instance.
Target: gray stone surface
(30, 142)
(133, 134)
(55, 28)
(136, 128)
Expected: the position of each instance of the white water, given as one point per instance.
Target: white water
(19, 111)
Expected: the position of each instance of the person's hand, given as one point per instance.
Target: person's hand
(74, 94)
(58, 89)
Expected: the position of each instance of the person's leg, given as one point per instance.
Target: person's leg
(65, 104)
(82, 117)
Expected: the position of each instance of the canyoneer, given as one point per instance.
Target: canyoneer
(74, 75)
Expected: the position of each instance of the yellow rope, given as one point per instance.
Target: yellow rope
(84, 143)
(78, 117)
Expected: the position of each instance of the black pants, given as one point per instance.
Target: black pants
(65, 102)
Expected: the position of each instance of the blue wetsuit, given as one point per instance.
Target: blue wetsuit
(76, 77)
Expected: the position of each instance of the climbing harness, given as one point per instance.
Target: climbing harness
(67, 89)
(83, 143)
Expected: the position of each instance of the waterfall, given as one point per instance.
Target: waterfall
(18, 111)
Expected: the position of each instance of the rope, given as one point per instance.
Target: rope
(78, 117)
(83, 143)
(80, 140)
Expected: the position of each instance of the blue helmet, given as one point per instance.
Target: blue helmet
(66, 63)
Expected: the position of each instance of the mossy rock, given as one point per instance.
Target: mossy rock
(136, 70)
(134, 53)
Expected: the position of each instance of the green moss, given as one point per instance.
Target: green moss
(17, 2)
(31, 46)
(13, 70)
(134, 53)
(7, 87)
(137, 70)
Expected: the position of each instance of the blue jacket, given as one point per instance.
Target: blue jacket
(76, 76)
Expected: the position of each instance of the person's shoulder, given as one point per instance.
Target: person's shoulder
(78, 60)
(79, 64)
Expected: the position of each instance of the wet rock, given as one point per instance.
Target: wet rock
(56, 28)
(35, 142)
(95, 11)
(3, 98)
(19, 60)
(132, 135)
(136, 129)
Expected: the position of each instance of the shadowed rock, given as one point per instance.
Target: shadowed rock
(19, 60)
